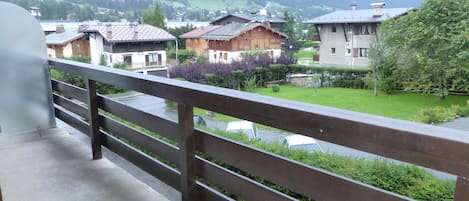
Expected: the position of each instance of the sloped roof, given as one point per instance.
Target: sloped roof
(233, 30)
(131, 33)
(358, 16)
(197, 33)
(69, 35)
(252, 18)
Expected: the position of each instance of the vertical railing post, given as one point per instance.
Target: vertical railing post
(187, 152)
(462, 189)
(93, 119)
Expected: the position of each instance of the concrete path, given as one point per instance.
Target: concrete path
(54, 166)
(461, 124)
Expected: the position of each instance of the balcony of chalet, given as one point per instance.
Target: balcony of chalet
(40, 161)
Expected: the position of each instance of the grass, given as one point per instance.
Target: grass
(303, 54)
(401, 106)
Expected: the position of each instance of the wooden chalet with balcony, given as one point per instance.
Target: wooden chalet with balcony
(194, 41)
(233, 41)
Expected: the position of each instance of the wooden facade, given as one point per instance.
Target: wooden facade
(77, 47)
(81, 47)
(199, 45)
(258, 38)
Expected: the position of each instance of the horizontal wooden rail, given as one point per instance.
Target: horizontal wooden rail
(71, 120)
(156, 168)
(69, 90)
(425, 145)
(243, 187)
(145, 141)
(71, 106)
(153, 123)
(306, 180)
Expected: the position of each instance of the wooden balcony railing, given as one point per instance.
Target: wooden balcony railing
(197, 178)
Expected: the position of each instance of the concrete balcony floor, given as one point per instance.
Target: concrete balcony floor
(54, 166)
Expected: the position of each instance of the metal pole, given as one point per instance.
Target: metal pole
(177, 51)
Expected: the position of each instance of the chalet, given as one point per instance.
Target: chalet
(232, 41)
(194, 41)
(141, 46)
(67, 43)
(261, 17)
(345, 35)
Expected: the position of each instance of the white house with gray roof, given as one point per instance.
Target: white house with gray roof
(141, 46)
(345, 35)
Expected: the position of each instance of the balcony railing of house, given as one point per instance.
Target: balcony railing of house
(198, 178)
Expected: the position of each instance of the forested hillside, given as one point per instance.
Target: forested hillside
(201, 10)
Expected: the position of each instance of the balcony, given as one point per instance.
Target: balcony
(188, 159)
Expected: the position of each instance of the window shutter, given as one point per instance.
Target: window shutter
(355, 52)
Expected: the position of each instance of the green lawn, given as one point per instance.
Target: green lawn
(304, 54)
(400, 106)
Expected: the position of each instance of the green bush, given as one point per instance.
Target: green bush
(296, 68)
(275, 88)
(214, 80)
(184, 55)
(440, 114)
(279, 70)
(250, 84)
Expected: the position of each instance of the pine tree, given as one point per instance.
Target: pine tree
(154, 16)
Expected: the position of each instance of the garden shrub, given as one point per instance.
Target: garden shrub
(214, 80)
(275, 88)
(296, 68)
(440, 114)
(279, 70)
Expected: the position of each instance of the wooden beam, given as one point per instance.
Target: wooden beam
(462, 189)
(93, 118)
(187, 162)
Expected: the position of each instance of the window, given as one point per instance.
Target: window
(110, 58)
(365, 29)
(151, 59)
(215, 56)
(225, 56)
(333, 50)
(363, 52)
(221, 55)
(348, 52)
(128, 59)
(334, 29)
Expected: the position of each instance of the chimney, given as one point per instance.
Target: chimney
(354, 7)
(60, 29)
(377, 9)
(135, 29)
(108, 31)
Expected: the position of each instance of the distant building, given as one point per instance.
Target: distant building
(233, 41)
(261, 17)
(67, 43)
(195, 42)
(142, 47)
(345, 35)
(35, 12)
